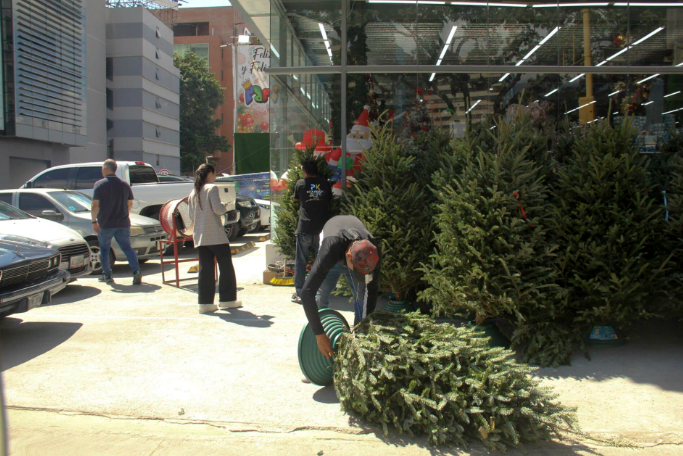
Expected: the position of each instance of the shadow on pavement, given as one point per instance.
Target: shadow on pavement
(73, 293)
(475, 447)
(128, 287)
(244, 318)
(326, 395)
(652, 356)
(22, 341)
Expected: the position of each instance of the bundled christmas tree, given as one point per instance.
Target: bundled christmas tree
(606, 224)
(421, 378)
(288, 210)
(393, 205)
(494, 257)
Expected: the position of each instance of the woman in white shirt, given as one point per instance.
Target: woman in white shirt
(212, 243)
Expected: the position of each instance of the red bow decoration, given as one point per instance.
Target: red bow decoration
(516, 196)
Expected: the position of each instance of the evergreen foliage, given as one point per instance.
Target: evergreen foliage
(494, 256)
(288, 210)
(406, 372)
(606, 224)
(390, 200)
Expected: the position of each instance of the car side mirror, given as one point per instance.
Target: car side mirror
(52, 215)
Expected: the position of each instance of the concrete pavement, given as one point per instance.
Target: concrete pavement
(136, 370)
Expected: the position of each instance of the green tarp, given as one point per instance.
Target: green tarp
(252, 153)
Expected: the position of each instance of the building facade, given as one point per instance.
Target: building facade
(143, 89)
(51, 89)
(209, 33)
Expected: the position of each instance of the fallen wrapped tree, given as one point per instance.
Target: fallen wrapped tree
(444, 382)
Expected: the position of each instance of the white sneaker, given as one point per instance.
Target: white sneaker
(207, 308)
(229, 304)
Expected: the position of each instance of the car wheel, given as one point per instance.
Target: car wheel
(95, 257)
(143, 261)
(231, 231)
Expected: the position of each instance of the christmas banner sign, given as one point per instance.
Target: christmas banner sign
(253, 94)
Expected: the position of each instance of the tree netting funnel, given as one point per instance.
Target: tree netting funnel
(315, 367)
(398, 306)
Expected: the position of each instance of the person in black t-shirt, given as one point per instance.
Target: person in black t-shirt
(313, 193)
(111, 203)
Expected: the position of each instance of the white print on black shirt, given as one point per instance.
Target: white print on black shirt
(315, 193)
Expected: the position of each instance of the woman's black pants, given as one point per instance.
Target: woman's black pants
(227, 284)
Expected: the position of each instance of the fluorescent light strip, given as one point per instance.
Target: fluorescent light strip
(443, 52)
(308, 95)
(618, 53)
(511, 5)
(649, 102)
(519, 63)
(504, 76)
(648, 4)
(680, 64)
(648, 36)
(672, 94)
(548, 36)
(536, 101)
(647, 78)
(580, 107)
(538, 46)
(450, 35)
(467, 4)
(492, 127)
(561, 5)
(614, 93)
(438, 62)
(472, 107)
(421, 2)
(551, 92)
(601, 63)
(579, 76)
(322, 30)
(295, 77)
(673, 110)
(615, 113)
(277, 54)
(431, 78)
(302, 90)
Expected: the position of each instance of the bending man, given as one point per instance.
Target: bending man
(348, 248)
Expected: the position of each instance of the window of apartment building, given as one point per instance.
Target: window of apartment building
(110, 99)
(110, 68)
(191, 29)
(201, 50)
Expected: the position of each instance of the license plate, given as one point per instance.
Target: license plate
(35, 301)
(76, 261)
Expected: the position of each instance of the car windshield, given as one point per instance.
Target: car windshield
(74, 201)
(142, 175)
(8, 212)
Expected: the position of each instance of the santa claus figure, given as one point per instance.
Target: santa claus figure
(357, 142)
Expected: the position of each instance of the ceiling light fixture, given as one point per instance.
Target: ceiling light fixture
(472, 107)
(580, 107)
(649, 102)
(672, 94)
(555, 5)
(680, 64)
(673, 110)
(647, 78)
(648, 36)
(614, 114)
(551, 92)
(601, 63)
(272, 48)
(492, 127)
(536, 101)
(322, 30)
(431, 78)
(243, 39)
(614, 93)
(648, 4)
(503, 77)
(577, 77)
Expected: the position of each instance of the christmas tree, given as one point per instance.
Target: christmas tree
(606, 224)
(406, 372)
(494, 257)
(393, 205)
(288, 211)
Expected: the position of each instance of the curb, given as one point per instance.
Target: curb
(242, 248)
(264, 238)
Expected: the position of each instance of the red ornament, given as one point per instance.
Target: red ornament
(264, 126)
(241, 97)
(248, 120)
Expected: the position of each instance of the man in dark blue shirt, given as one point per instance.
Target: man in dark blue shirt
(112, 201)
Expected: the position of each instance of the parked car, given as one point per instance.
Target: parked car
(250, 215)
(264, 223)
(72, 209)
(163, 178)
(29, 275)
(74, 250)
(149, 194)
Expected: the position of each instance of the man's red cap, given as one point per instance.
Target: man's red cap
(364, 256)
